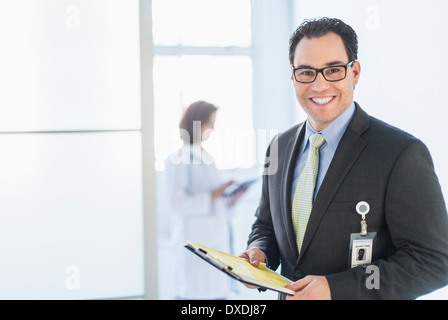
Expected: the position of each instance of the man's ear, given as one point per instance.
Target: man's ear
(356, 70)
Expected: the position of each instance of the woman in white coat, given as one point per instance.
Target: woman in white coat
(200, 209)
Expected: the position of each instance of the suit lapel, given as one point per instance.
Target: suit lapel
(349, 149)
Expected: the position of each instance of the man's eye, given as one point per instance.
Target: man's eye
(333, 70)
(307, 73)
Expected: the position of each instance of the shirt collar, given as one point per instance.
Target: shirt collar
(333, 132)
(197, 153)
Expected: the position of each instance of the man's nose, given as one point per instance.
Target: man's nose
(320, 84)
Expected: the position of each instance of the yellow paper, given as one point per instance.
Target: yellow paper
(242, 267)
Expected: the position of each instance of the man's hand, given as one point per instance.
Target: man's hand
(310, 288)
(254, 256)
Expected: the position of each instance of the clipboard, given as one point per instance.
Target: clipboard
(240, 269)
(230, 191)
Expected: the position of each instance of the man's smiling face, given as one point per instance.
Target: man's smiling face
(324, 101)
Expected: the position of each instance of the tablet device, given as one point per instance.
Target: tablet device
(237, 186)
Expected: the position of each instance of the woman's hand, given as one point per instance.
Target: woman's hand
(217, 193)
(233, 199)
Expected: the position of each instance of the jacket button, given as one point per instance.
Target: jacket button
(298, 273)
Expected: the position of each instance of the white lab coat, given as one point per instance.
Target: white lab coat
(192, 175)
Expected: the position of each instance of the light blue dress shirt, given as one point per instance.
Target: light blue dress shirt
(332, 134)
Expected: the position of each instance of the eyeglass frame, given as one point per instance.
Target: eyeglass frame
(350, 64)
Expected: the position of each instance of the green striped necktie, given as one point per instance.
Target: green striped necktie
(304, 193)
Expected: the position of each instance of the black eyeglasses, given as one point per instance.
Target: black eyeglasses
(331, 74)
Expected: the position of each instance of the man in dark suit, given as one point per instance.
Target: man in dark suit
(362, 161)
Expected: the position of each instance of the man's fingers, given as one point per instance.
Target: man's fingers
(254, 256)
(310, 288)
(244, 255)
(300, 284)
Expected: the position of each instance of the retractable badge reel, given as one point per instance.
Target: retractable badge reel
(363, 208)
(361, 244)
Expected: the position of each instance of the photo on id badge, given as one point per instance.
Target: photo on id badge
(361, 249)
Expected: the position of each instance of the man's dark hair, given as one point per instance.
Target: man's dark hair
(316, 28)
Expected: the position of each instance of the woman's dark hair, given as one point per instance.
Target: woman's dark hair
(316, 28)
(199, 112)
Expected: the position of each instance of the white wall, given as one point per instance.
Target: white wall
(71, 193)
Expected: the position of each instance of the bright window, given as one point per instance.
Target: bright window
(201, 23)
(199, 55)
(224, 81)
(232, 53)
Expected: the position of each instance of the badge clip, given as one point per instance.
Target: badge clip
(363, 208)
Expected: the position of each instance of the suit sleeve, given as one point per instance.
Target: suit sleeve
(263, 234)
(416, 217)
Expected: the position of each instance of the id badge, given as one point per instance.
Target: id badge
(361, 249)
(361, 244)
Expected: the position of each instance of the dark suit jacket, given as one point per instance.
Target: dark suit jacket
(394, 173)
